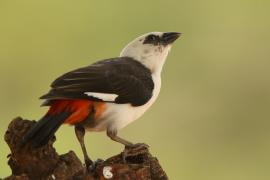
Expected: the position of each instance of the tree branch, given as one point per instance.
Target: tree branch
(45, 163)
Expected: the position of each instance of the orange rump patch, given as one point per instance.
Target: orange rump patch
(80, 109)
(99, 108)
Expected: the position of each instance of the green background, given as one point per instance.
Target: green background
(211, 120)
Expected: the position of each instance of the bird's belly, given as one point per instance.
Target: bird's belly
(117, 116)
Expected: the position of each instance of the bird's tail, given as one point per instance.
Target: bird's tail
(61, 111)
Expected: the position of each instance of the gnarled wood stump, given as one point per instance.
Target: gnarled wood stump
(46, 164)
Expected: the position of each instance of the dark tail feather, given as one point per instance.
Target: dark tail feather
(44, 129)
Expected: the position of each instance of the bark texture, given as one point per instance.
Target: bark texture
(45, 163)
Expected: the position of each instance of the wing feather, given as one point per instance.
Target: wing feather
(125, 77)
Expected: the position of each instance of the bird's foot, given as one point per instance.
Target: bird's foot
(138, 146)
(92, 165)
(132, 150)
(88, 163)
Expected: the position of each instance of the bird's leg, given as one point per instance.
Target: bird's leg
(128, 145)
(80, 132)
(114, 137)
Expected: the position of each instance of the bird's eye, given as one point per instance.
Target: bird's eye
(152, 37)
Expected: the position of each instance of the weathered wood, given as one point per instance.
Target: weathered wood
(46, 164)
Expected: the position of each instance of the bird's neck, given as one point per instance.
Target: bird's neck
(153, 61)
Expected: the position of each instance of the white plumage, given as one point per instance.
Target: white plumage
(117, 116)
(102, 96)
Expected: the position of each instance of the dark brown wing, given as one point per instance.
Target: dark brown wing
(123, 76)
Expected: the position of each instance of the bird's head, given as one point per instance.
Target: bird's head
(151, 49)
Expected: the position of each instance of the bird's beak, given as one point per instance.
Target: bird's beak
(170, 37)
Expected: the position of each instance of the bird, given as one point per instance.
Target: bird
(106, 95)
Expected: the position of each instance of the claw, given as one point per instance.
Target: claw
(127, 149)
(137, 146)
(88, 163)
(92, 167)
(124, 155)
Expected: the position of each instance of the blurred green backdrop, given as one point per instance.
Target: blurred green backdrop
(211, 120)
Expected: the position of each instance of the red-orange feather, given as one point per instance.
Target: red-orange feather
(79, 109)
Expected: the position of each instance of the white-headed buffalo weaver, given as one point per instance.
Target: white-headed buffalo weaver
(107, 95)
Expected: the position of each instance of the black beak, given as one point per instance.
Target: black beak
(170, 37)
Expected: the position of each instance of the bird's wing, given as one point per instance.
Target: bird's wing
(120, 80)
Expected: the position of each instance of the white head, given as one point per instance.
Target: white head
(151, 49)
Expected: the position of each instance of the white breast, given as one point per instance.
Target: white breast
(117, 116)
